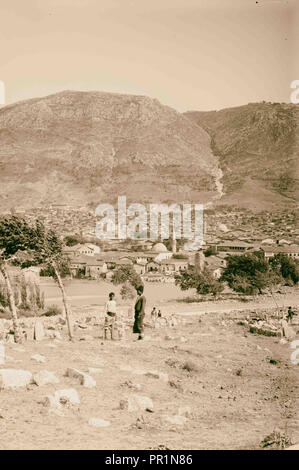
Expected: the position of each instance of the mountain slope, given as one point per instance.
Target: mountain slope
(258, 150)
(90, 147)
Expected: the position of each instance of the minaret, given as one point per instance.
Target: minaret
(173, 245)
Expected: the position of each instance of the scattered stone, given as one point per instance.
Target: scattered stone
(283, 341)
(288, 331)
(158, 375)
(50, 345)
(61, 398)
(38, 358)
(98, 423)
(177, 420)
(137, 403)
(67, 396)
(185, 411)
(139, 372)
(39, 332)
(29, 333)
(130, 384)
(86, 338)
(45, 377)
(53, 334)
(10, 338)
(264, 331)
(164, 377)
(61, 320)
(126, 368)
(85, 379)
(2, 353)
(10, 378)
(53, 404)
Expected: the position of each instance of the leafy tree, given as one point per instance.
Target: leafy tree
(203, 281)
(286, 267)
(124, 274)
(127, 291)
(15, 237)
(47, 249)
(64, 269)
(249, 274)
(72, 240)
(210, 251)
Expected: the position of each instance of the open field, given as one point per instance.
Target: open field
(239, 387)
(169, 298)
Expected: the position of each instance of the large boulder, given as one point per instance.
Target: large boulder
(84, 379)
(44, 377)
(137, 403)
(61, 399)
(67, 396)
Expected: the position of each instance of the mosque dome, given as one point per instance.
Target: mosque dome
(159, 248)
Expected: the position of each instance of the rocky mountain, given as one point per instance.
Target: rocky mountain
(89, 147)
(258, 150)
(85, 148)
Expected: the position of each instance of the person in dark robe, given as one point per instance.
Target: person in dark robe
(139, 313)
(290, 315)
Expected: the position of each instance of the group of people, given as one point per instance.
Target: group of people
(110, 323)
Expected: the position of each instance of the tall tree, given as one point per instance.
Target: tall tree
(203, 281)
(47, 249)
(249, 273)
(124, 274)
(15, 237)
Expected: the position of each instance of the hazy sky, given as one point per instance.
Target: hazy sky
(190, 54)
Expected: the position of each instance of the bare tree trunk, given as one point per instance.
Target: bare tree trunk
(12, 304)
(65, 303)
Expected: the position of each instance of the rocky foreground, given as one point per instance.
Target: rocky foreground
(202, 382)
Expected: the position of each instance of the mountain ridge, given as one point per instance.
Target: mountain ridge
(84, 148)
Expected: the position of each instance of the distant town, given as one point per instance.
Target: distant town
(226, 232)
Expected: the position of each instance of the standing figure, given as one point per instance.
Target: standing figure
(154, 314)
(139, 313)
(290, 315)
(110, 316)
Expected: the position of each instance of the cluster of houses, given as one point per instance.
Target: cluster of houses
(154, 262)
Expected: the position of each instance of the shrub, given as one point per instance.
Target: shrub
(190, 366)
(52, 311)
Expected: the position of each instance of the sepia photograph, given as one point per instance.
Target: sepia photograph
(149, 235)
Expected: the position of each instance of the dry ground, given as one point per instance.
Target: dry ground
(237, 396)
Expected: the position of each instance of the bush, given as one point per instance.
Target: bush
(190, 366)
(276, 440)
(52, 311)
